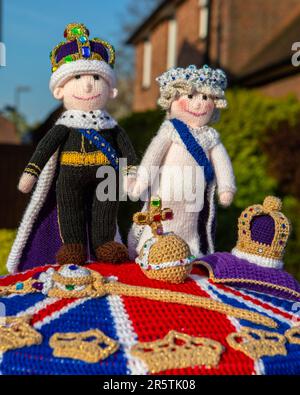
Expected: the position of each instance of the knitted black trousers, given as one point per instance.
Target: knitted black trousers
(78, 206)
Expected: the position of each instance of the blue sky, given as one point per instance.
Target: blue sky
(31, 29)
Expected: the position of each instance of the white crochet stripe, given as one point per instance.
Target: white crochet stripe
(259, 367)
(56, 314)
(258, 260)
(37, 307)
(204, 285)
(69, 70)
(252, 305)
(282, 310)
(36, 203)
(126, 335)
(42, 305)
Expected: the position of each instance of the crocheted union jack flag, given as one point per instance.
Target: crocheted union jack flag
(130, 321)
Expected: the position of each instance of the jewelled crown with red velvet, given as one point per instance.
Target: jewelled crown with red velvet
(81, 55)
(263, 232)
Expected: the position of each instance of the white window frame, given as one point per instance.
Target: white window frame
(172, 43)
(147, 64)
(203, 18)
(2, 55)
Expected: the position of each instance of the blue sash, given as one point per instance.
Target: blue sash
(194, 148)
(99, 142)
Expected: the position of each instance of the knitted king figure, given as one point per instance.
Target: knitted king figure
(192, 98)
(64, 211)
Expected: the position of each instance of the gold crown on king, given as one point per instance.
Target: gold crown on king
(263, 232)
(78, 46)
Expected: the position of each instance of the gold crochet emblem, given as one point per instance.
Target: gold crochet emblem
(19, 288)
(178, 350)
(91, 346)
(293, 335)
(257, 343)
(271, 206)
(16, 332)
(166, 256)
(84, 159)
(80, 287)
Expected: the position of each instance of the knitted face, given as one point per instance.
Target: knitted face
(84, 92)
(195, 109)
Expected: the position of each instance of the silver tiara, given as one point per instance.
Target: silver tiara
(215, 79)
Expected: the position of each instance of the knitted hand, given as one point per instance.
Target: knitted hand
(128, 183)
(226, 198)
(136, 186)
(27, 182)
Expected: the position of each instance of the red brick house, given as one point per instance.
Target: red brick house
(8, 132)
(252, 41)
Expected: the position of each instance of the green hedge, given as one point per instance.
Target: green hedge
(245, 127)
(6, 239)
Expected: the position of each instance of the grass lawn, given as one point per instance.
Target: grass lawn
(7, 237)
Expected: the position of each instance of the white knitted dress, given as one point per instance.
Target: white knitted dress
(181, 184)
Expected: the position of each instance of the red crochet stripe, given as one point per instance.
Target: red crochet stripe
(14, 278)
(50, 309)
(168, 316)
(131, 274)
(191, 320)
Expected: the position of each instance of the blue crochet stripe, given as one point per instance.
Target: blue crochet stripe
(95, 138)
(39, 360)
(278, 364)
(194, 148)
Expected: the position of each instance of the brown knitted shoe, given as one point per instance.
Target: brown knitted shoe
(71, 254)
(112, 252)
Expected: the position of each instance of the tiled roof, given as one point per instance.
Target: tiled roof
(160, 12)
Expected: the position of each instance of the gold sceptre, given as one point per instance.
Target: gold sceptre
(101, 286)
(105, 287)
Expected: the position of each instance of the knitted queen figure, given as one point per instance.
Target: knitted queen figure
(191, 152)
(64, 211)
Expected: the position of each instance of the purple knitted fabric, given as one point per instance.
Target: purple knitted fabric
(227, 266)
(44, 240)
(263, 229)
(66, 49)
(100, 49)
(72, 47)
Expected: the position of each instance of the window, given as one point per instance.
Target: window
(147, 62)
(172, 43)
(203, 18)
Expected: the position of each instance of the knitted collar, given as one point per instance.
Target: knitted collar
(98, 120)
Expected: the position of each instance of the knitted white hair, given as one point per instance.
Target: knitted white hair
(69, 70)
